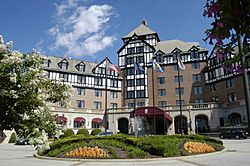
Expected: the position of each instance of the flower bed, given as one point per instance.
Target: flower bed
(198, 147)
(88, 152)
(118, 146)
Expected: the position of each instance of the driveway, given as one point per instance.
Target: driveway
(237, 153)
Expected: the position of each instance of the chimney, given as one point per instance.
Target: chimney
(144, 22)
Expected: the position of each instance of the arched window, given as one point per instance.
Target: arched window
(79, 122)
(96, 123)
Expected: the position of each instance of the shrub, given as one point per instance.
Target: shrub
(83, 131)
(95, 131)
(68, 132)
(12, 138)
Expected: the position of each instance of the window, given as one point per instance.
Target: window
(131, 50)
(213, 88)
(63, 77)
(80, 91)
(130, 71)
(130, 60)
(98, 81)
(140, 93)
(176, 55)
(215, 99)
(47, 62)
(162, 104)
(98, 93)
(232, 97)
(80, 103)
(197, 90)
(178, 102)
(130, 83)
(113, 105)
(179, 91)
(81, 79)
(79, 124)
(194, 54)
(196, 77)
(114, 94)
(161, 92)
(140, 82)
(176, 79)
(161, 80)
(101, 70)
(64, 65)
(139, 59)
(81, 68)
(159, 58)
(195, 65)
(114, 83)
(130, 94)
(198, 101)
(141, 104)
(139, 49)
(230, 83)
(97, 105)
(130, 105)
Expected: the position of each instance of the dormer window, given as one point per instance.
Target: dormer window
(47, 62)
(194, 54)
(159, 58)
(64, 64)
(80, 67)
(176, 55)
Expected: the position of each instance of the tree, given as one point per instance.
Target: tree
(230, 26)
(25, 93)
(231, 29)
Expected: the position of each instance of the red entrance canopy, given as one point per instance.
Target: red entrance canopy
(97, 120)
(61, 118)
(79, 119)
(148, 112)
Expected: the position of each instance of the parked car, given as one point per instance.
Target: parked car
(22, 141)
(234, 133)
(108, 133)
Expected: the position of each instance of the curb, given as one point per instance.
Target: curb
(129, 160)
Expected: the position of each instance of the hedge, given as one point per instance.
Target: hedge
(83, 131)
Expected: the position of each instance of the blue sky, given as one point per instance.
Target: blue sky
(92, 29)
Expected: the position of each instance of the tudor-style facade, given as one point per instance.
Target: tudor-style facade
(225, 87)
(138, 47)
(87, 79)
(141, 45)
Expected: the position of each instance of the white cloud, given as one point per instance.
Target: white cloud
(81, 30)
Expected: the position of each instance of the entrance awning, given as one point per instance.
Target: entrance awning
(148, 112)
(79, 119)
(97, 120)
(61, 119)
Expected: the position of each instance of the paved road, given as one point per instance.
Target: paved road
(238, 153)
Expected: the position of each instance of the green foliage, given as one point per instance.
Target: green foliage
(165, 146)
(83, 131)
(12, 138)
(26, 92)
(66, 148)
(95, 131)
(68, 133)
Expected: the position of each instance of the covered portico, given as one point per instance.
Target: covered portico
(144, 120)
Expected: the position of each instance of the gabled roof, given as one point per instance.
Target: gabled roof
(124, 45)
(169, 45)
(71, 64)
(141, 30)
